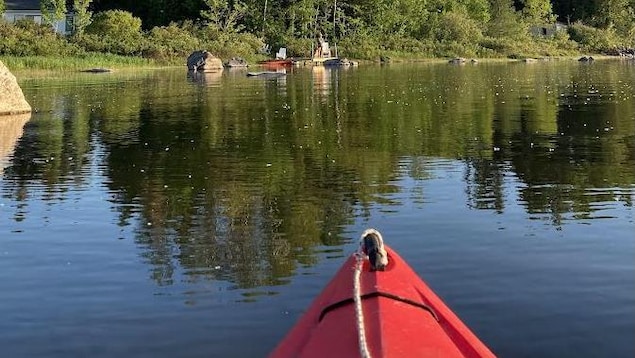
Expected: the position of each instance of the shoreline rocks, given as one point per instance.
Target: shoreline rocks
(236, 62)
(203, 61)
(12, 99)
(623, 52)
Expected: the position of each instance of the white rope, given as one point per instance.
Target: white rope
(360, 256)
(364, 352)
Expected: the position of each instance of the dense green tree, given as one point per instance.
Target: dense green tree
(301, 18)
(295, 23)
(224, 16)
(478, 10)
(53, 10)
(360, 28)
(457, 27)
(618, 15)
(285, 14)
(400, 17)
(537, 11)
(2, 7)
(154, 12)
(82, 15)
(569, 11)
(504, 20)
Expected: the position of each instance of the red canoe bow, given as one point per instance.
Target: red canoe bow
(402, 317)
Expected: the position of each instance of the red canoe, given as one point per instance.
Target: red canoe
(401, 315)
(277, 63)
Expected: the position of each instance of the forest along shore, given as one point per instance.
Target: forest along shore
(145, 34)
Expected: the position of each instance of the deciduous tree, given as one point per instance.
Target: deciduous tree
(53, 11)
(82, 15)
(505, 20)
(617, 15)
(224, 16)
(537, 11)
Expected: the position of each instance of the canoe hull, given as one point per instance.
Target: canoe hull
(403, 317)
(275, 64)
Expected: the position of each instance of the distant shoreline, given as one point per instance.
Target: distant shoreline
(121, 63)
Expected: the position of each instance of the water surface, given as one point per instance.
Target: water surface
(155, 215)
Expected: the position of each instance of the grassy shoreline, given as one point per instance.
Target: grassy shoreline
(78, 63)
(115, 62)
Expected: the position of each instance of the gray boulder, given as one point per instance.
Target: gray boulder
(11, 97)
(203, 61)
(236, 62)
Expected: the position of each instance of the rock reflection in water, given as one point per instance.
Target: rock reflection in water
(211, 79)
(11, 129)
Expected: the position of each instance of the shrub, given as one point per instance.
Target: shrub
(455, 49)
(230, 44)
(26, 38)
(114, 31)
(498, 45)
(115, 23)
(593, 39)
(361, 46)
(454, 27)
(403, 44)
(300, 47)
(171, 42)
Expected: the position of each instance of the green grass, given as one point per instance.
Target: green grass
(77, 63)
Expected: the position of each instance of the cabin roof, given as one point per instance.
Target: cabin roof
(22, 4)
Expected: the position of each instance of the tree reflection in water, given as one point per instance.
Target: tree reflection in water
(241, 181)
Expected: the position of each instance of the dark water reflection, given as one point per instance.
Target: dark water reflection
(510, 187)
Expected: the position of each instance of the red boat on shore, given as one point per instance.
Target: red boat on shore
(280, 61)
(377, 306)
(277, 63)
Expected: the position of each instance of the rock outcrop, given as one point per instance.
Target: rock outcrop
(203, 61)
(11, 97)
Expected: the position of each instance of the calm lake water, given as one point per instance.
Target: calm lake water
(154, 215)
